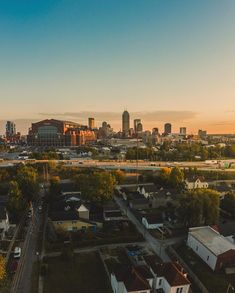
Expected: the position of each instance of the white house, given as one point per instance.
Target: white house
(152, 221)
(213, 248)
(4, 221)
(168, 277)
(137, 279)
(195, 183)
(147, 190)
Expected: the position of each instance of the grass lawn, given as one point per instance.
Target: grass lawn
(214, 282)
(85, 274)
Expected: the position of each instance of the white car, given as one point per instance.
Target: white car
(17, 252)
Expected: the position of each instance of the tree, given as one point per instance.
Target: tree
(16, 203)
(27, 180)
(2, 268)
(199, 207)
(98, 186)
(55, 189)
(176, 178)
(228, 203)
(119, 176)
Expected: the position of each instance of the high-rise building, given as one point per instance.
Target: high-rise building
(10, 129)
(125, 123)
(139, 127)
(167, 128)
(91, 123)
(183, 131)
(136, 122)
(202, 133)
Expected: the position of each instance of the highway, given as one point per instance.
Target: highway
(127, 165)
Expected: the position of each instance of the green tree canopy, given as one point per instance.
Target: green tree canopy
(16, 203)
(27, 179)
(98, 185)
(199, 207)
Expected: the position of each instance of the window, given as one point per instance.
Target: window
(179, 290)
(160, 282)
(207, 258)
(196, 248)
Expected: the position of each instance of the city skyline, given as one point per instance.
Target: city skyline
(163, 60)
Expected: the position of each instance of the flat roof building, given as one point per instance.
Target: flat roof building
(212, 247)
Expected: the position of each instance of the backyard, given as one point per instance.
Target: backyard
(85, 273)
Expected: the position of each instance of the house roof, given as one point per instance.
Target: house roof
(172, 273)
(141, 200)
(150, 188)
(212, 239)
(134, 278)
(154, 218)
(3, 214)
(195, 178)
(62, 216)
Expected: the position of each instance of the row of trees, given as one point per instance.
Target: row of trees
(22, 190)
(94, 185)
(180, 152)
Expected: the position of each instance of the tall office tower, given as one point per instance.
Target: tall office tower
(139, 127)
(183, 131)
(10, 129)
(155, 131)
(202, 133)
(167, 128)
(125, 123)
(136, 122)
(91, 123)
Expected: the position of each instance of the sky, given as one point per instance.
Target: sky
(162, 60)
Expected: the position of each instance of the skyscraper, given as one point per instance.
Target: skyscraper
(91, 123)
(136, 122)
(10, 129)
(183, 131)
(125, 123)
(167, 128)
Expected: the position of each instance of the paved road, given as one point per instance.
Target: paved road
(159, 247)
(22, 279)
(128, 165)
(29, 256)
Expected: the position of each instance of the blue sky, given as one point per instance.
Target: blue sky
(61, 58)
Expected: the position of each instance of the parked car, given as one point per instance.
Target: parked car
(17, 252)
(14, 266)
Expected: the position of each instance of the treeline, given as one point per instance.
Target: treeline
(180, 152)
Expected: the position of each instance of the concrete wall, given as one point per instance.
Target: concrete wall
(205, 254)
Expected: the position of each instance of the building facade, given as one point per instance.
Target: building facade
(167, 129)
(91, 123)
(10, 129)
(214, 249)
(51, 132)
(125, 123)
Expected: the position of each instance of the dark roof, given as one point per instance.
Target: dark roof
(172, 273)
(194, 178)
(150, 188)
(134, 278)
(64, 216)
(141, 200)
(111, 206)
(3, 214)
(154, 218)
